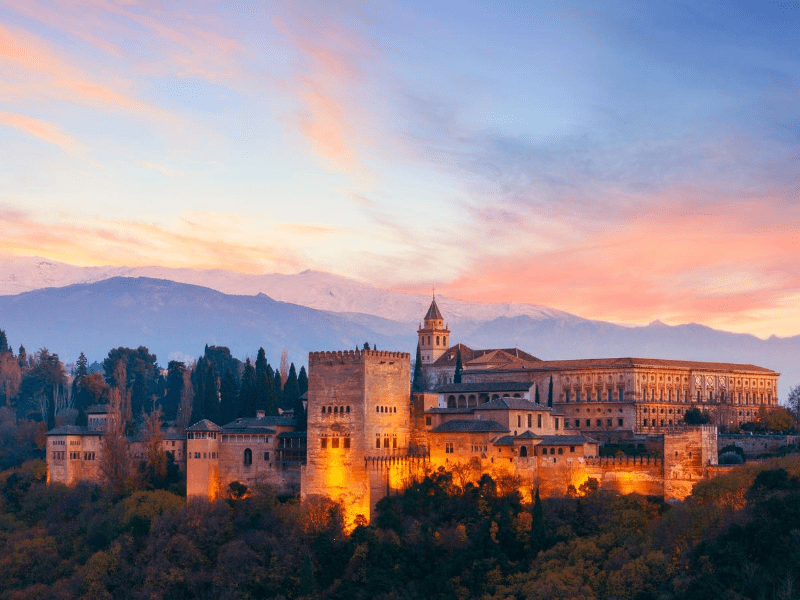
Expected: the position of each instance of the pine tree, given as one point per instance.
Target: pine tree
(247, 393)
(550, 393)
(418, 385)
(459, 367)
(538, 530)
(4, 342)
(302, 381)
(229, 398)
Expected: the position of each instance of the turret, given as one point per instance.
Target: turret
(434, 335)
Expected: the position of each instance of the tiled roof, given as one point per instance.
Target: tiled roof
(204, 425)
(511, 404)
(173, 435)
(496, 386)
(623, 363)
(97, 409)
(469, 426)
(260, 425)
(74, 430)
(433, 312)
(527, 435)
(293, 434)
(448, 359)
(566, 440)
(506, 440)
(450, 411)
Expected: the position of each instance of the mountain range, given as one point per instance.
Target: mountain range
(94, 309)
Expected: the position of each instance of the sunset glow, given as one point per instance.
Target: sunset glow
(617, 163)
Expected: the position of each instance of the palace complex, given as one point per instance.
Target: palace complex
(523, 420)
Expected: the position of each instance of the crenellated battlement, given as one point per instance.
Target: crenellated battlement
(355, 356)
(604, 461)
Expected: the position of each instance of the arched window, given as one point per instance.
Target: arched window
(329, 409)
(437, 340)
(451, 401)
(323, 410)
(347, 409)
(523, 451)
(336, 409)
(462, 401)
(248, 457)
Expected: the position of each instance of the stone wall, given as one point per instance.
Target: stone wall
(755, 445)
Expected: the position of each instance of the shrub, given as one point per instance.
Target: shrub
(730, 458)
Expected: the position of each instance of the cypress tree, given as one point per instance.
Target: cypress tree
(78, 392)
(302, 380)
(550, 392)
(271, 406)
(172, 400)
(4, 342)
(262, 389)
(210, 395)
(22, 357)
(418, 385)
(538, 530)
(277, 385)
(459, 367)
(291, 396)
(306, 587)
(82, 420)
(537, 393)
(198, 377)
(247, 393)
(229, 398)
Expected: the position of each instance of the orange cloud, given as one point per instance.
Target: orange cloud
(732, 265)
(185, 244)
(330, 69)
(44, 131)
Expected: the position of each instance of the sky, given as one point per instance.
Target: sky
(623, 161)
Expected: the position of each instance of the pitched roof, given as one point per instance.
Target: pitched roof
(97, 409)
(258, 425)
(468, 355)
(74, 430)
(433, 312)
(204, 425)
(628, 362)
(507, 403)
(293, 434)
(491, 386)
(469, 426)
(566, 440)
(506, 440)
(526, 435)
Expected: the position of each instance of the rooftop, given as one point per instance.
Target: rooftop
(492, 386)
(469, 426)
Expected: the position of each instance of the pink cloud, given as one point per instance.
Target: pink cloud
(44, 131)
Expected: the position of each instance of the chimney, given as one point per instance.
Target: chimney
(260, 414)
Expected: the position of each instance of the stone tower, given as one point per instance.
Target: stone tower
(358, 413)
(433, 335)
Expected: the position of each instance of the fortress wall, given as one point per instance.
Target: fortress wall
(202, 472)
(754, 445)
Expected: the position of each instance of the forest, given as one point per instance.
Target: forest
(736, 536)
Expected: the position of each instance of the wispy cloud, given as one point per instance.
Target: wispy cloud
(42, 130)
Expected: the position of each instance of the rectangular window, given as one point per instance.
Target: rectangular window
(448, 447)
(610, 395)
(539, 420)
(621, 396)
(519, 420)
(567, 396)
(386, 442)
(378, 440)
(346, 442)
(556, 421)
(577, 422)
(427, 421)
(608, 422)
(323, 442)
(335, 442)
(599, 422)
(529, 420)
(599, 395)
(266, 456)
(394, 442)
(577, 395)
(619, 422)
(588, 422)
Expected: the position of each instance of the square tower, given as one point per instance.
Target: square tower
(358, 410)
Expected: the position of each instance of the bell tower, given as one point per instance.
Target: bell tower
(433, 335)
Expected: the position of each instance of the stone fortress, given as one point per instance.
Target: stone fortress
(527, 422)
